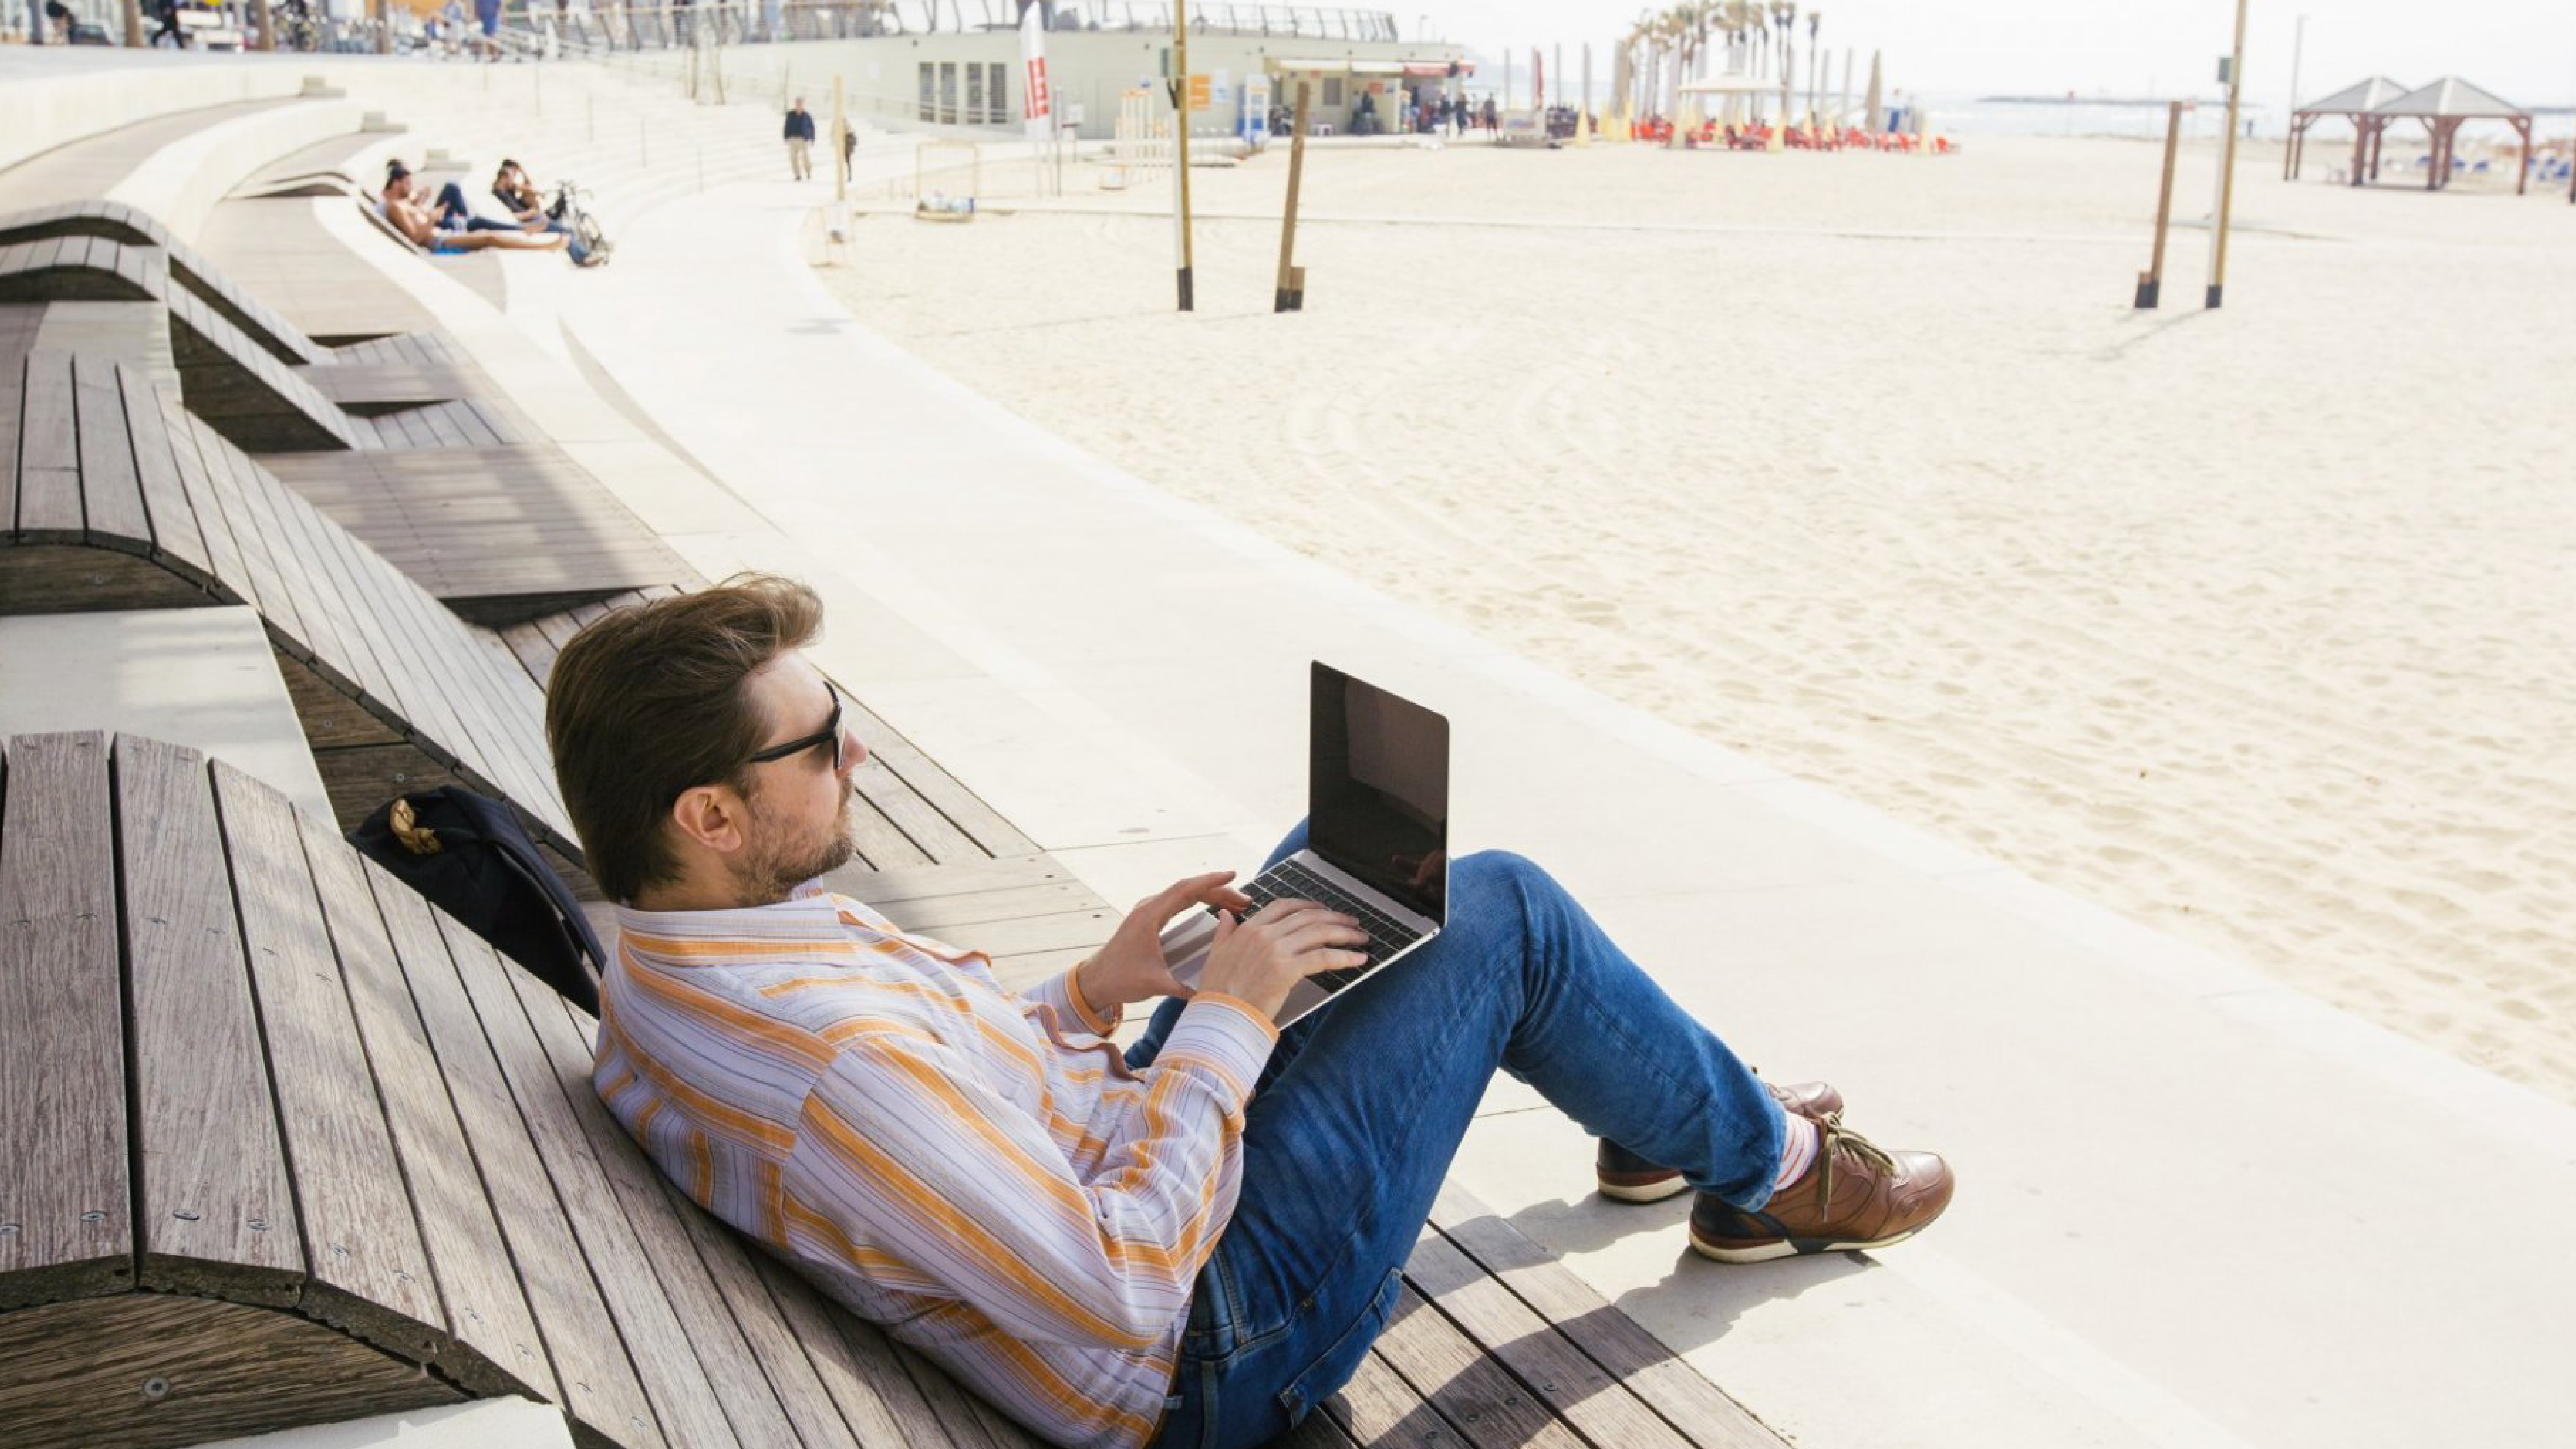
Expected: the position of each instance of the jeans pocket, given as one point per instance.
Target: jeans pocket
(1322, 1378)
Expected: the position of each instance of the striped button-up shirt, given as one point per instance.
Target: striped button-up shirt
(979, 1172)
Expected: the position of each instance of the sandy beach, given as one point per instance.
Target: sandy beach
(2249, 624)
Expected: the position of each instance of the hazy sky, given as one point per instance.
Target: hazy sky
(2524, 50)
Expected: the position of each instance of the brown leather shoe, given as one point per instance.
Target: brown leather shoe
(1625, 1176)
(1854, 1195)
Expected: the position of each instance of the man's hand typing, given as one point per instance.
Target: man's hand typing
(1131, 967)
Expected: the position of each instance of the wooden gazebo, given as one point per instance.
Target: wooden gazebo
(2443, 107)
(2354, 103)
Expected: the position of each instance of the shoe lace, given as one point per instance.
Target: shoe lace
(1836, 1138)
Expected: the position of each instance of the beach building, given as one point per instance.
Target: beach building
(960, 65)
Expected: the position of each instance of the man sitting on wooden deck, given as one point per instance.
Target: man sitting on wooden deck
(1189, 1243)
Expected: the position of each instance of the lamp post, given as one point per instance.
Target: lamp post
(2290, 117)
(1181, 146)
(2227, 164)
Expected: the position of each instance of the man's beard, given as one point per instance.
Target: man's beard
(777, 865)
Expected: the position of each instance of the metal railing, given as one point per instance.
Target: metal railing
(608, 25)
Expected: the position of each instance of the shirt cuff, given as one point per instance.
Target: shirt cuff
(1223, 1034)
(1059, 993)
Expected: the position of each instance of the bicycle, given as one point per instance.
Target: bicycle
(571, 210)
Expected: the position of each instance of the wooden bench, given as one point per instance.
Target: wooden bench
(117, 222)
(390, 369)
(119, 499)
(373, 1176)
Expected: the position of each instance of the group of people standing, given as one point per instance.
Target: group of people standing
(1450, 115)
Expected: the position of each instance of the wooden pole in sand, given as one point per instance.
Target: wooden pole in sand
(2227, 165)
(1181, 144)
(1291, 293)
(840, 152)
(2151, 281)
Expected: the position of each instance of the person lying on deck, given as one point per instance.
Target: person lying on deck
(448, 224)
(1190, 1242)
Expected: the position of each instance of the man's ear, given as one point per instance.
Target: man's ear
(711, 817)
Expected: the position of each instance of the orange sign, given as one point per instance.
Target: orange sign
(1199, 92)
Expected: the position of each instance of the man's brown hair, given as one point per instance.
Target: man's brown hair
(649, 701)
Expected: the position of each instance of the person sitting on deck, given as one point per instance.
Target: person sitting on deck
(1190, 1242)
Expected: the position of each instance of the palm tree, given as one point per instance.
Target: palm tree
(1815, 19)
(1784, 14)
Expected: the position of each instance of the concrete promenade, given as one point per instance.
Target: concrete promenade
(2196, 1208)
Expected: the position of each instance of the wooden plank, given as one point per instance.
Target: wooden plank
(369, 1272)
(534, 651)
(301, 612)
(440, 421)
(223, 558)
(347, 660)
(956, 1410)
(964, 912)
(49, 505)
(260, 580)
(598, 1380)
(768, 1388)
(331, 716)
(381, 604)
(1378, 1407)
(880, 844)
(13, 399)
(674, 1377)
(1318, 1431)
(1023, 970)
(1468, 1389)
(391, 661)
(111, 488)
(1625, 1351)
(884, 889)
(66, 1215)
(359, 779)
(855, 1363)
(980, 821)
(68, 578)
(1567, 1380)
(934, 834)
(1062, 930)
(216, 1210)
(151, 1369)
(494, 1348)
(175, 534)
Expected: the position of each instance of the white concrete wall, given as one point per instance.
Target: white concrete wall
(40, 111)
(181, 182)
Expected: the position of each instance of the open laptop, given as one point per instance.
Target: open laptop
(1377, 826)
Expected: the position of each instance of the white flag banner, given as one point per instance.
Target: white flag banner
(1037, 100)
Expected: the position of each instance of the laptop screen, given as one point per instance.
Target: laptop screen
(1378, 790)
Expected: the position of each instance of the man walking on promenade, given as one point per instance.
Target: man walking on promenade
(1191, 1242)
(800, 140)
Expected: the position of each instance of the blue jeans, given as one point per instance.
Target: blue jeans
(452, 211)
(1361, 1107)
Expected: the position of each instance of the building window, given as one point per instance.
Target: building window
(1332, 90)
(948, 93)
(974, 94)
(998, 87)
(929, 90)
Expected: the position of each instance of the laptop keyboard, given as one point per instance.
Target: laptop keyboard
(1291, 881)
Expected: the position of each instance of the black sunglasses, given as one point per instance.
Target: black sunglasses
(831, 734)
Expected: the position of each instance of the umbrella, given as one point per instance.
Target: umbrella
(1877, 118)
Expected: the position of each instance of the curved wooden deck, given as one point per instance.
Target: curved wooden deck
(290, 1146)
